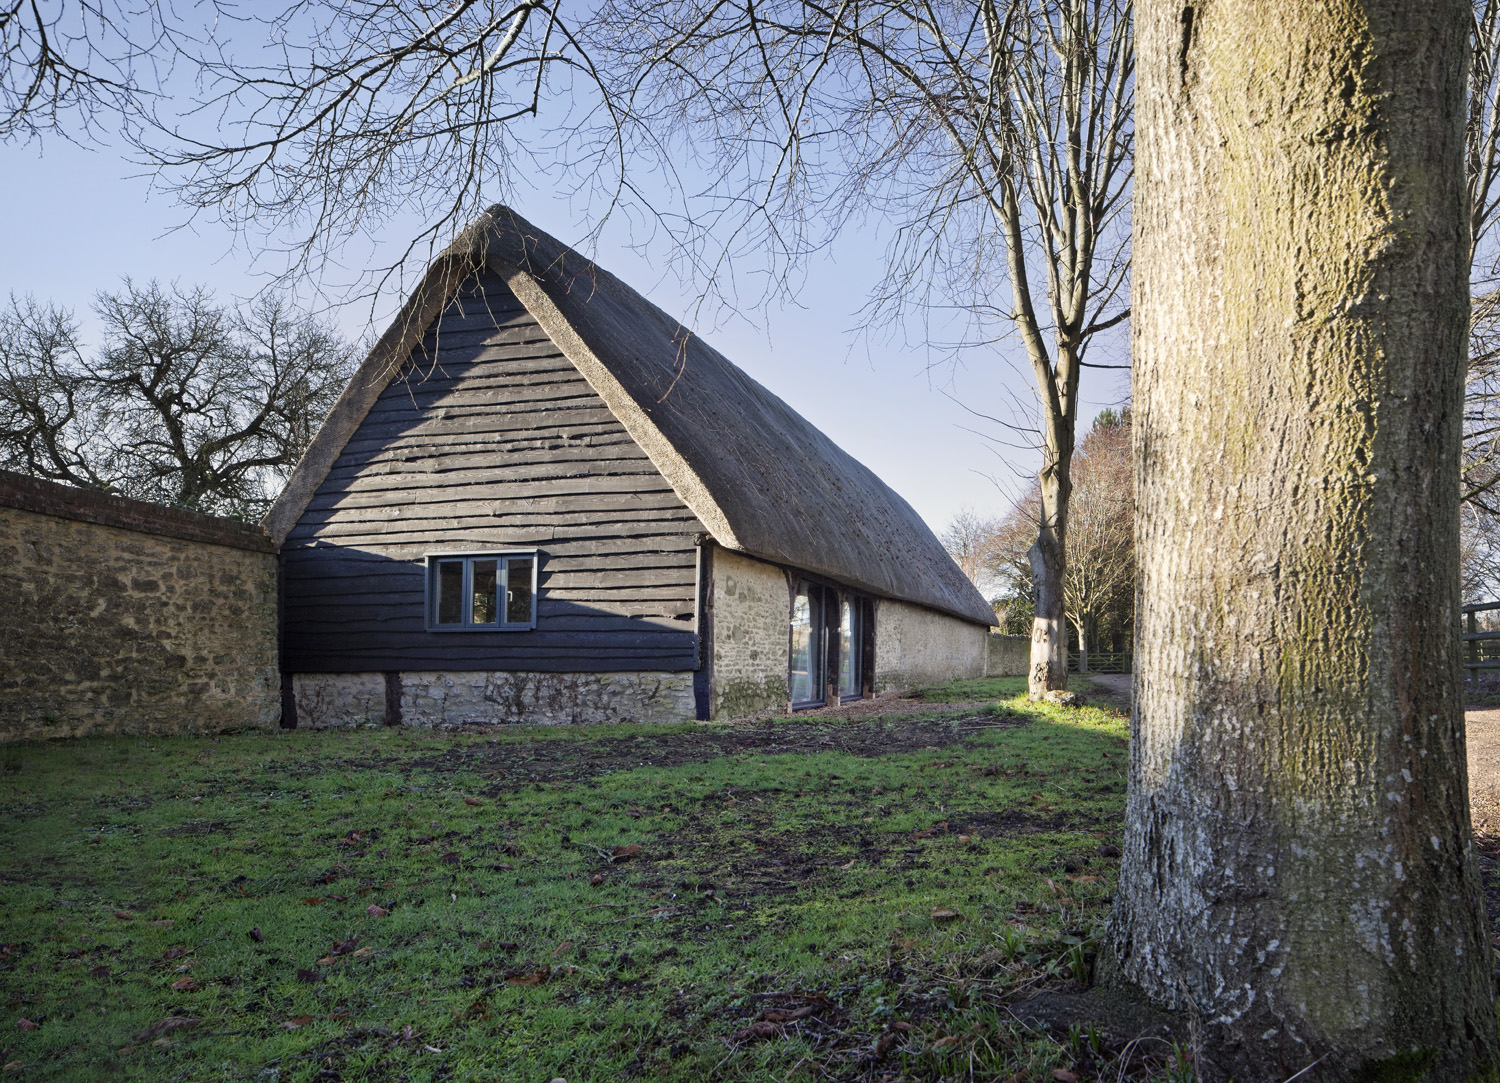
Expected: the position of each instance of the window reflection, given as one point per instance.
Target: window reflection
(807, 646)
(849, 642)
(486, 581)
(450, 607)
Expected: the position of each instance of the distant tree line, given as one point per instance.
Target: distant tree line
(184, 401)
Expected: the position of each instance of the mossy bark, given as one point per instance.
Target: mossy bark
(1298, 867)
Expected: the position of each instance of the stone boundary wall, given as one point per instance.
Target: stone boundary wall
(1009, 656)
(123, 617)
(87, 506)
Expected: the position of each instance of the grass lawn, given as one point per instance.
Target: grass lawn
(794, 899)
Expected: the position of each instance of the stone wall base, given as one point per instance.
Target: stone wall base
(448, 698)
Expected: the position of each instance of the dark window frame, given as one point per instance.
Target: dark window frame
(502, 558)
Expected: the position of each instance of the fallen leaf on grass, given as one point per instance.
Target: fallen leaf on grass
(186, 985)
(26, 1024)
(376, 911)
(791, 1016)
(325, 960)
(479, 1010)
(472, 801)
(536, 977)
(965, 839)
(173, 953)
(12, 1066)
(944, 1043)
(564, 946)
(344, 947)
(299, 1021)
(363, 951)
(123, 916)
(167, 1026)
(941, 913)
(849, 864)
(1061, 893)
(316, 900)
(311, 977)
(761, 1029)
(620, 853)
(1062, 1075)
(596, 879)
(255, 934)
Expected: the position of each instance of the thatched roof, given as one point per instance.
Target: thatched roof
(761, 478)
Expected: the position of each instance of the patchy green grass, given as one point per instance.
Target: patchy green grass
(411, 905)
(968, 691)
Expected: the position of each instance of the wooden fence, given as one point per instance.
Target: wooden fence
(1107, 661)
(1481, 649)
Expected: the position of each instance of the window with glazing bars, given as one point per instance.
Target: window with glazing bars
(481, 592)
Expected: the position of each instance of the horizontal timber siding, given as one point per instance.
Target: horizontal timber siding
(489, 438)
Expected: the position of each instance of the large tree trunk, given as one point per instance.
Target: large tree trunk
(1048, 555)
(1298, 864)
(1049, 631)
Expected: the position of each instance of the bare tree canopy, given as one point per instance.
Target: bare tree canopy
(186, 402)
(69, 66)
(320, 119)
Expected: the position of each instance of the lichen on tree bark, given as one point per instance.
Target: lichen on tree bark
(1298, 865)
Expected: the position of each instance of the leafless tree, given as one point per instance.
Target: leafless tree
(968, 537)
(997, 134)
(74, 67)
(1099, 586)
(320, 119)
(1100, 578)
(186, 403)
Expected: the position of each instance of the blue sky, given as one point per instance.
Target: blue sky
(77, 220)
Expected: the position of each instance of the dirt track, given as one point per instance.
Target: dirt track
(1484, 770)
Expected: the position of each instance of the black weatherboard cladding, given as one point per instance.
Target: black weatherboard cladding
(490, 439)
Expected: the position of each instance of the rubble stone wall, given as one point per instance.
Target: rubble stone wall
(122, 617)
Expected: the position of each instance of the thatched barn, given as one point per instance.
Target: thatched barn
(541, 498)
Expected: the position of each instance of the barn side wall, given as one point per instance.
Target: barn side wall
(915, 646)
(751, 607)
(121, 617)
(1009, 656)
(468, 698)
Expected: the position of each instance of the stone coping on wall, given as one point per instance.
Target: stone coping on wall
(88, 506)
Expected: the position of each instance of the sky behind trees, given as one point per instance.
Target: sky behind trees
(78, 219)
